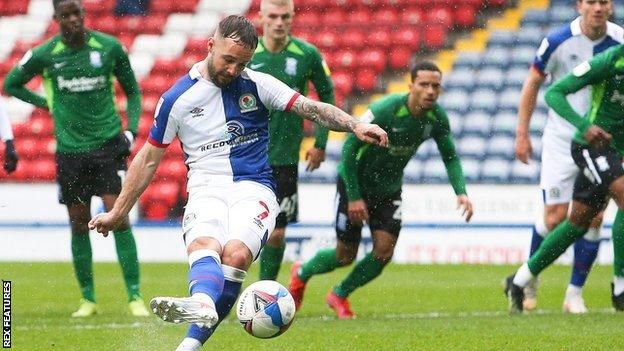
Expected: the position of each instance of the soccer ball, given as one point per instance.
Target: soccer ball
(265, 309)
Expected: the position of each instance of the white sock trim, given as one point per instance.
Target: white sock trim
(618, 285)
(574, 290)
(201, 253)
(233, 274)
(189, 344)
(593, 234)
(540, 227)
(523, 275)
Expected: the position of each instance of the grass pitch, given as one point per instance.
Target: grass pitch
(410, 307)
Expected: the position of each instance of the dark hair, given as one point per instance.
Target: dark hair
(240, 29)
(424, 66)
(56, 3)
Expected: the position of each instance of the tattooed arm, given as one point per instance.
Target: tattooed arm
(333, 118)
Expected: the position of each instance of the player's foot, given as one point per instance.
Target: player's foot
(617, 301)
(296, 286)
(137, 308)
(189, 344)
(530, 295)
(574, 304)
(340, 305)
(514, 294)
(185, 310)
(86, 309)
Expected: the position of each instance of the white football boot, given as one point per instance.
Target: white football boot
(574, 303)
(185, 310)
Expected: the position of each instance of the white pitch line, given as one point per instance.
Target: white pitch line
(425, 315)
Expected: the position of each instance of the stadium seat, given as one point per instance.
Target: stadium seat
(345, 59)
(525, 173)
(343, 82)
(387, 16)
(328, 39)
(333, 18)
(559, 13)
(440, 16)
(374, 59)
(496, 57)
(502, 38)
(538, 122)
(465, 17)
(412, 171)
(434, 171)
(353, 39)
(407, 37)
(515, 77)
(496, 170)
(530, 35)
(468, 60)
(164, 192)
(476, 123)
(471, 168)
(380, 39)
(456, 121)
(505, 123)
(509, 99)
(460, 78)
(472, 146)
(360, 18)
(365, 80)
(484, 99)
(490, 78)
(455, 100)
(412, 17)
(400, 58)
(434, 37)
(535, 17)
(41, 170)
(501, 146)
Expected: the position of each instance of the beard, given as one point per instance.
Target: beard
(217, 78)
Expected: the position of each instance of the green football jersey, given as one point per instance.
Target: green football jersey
(375, 170)
(79, 89)
(605, 74)
(296, 65)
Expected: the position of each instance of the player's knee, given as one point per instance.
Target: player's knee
(553, 219)
(79, 224)
(346, 255)
(383, 255)
(237, 258)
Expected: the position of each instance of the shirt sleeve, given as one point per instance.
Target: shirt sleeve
(125, 76)
(272, 92)
(444, 140)
(165, 127)
(29, 66)
(6, 133)
(587, 73)
(321, 78)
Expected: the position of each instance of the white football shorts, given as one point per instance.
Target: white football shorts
(226, 210)
(558, 173)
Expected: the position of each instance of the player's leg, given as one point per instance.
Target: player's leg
(273, 252)
(326, 260)
(617, 287)
(75, 194)
(250, 219)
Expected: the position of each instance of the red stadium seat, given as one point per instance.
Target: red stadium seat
(196, 45)
(400, 58)
(164, 192)
(380, 38)
(41, 127)
(42, 170)
(164, 7)
(156, 211)
(366, 80)
(374, 59)
(27, 148)
(465, 17)
(173, 170)
(171, 67)
(354, 39)
(440, 16)
(387, 17)
(151, 25)
(335, 17)
(126, 40)
(412, 16)
(145, 124)
(434, 37)
(184, 6)
(12, 8)
(360, 17)
(307, 19)
(149, 103)
(346, 59)
(107, 24)
(156, 84)
(327, 39)
(407, 37)
(343, 82)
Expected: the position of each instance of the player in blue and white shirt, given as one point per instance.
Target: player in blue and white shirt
(220, 114)
(562, 50)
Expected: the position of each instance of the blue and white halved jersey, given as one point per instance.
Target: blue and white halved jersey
(563, 49)
(223, 131)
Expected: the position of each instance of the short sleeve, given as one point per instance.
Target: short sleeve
(272, 92)
(165, 126)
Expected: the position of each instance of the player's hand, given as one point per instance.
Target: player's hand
(371, 133)
(465, 205)
(105, 222)
(357, 211)
(315, 157)
(10, 157)
(597, 137)
(524, 150)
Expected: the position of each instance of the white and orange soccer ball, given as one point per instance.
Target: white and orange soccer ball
(265, 309)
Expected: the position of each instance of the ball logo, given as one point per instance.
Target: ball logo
(247, 103)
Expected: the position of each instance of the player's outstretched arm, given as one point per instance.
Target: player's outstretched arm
(139, 175)
(528, 98)
(333, 118)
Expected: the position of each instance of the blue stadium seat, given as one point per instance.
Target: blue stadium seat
(490, 78)
(498, 57)
(455, 100)
(536, 142)
(476, 123)
(530, 35)
(563, 13)
(471, 168)
(412, 171)
(461, 78)
(425, 150)
(456, 122)
(434, 171)
(535, 17)
(618, 14)
(468, 59)
(525, 173)
(514, 77)
(501, 146)
(472, 146)
(484, 99)
(505, 123)
(509, 99)
(538, 122)
(523, 55)
(495, 170)
(502, 38)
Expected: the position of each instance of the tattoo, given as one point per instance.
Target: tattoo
(326, 115)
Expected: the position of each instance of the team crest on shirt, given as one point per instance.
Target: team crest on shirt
(554, 193)
(248, 103)
(235, 129)
(291, 66)
(96, 58)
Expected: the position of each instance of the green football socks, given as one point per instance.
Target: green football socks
(555, 243)
(270, 261)
(324, 261)
(127, 254)
(364, 271)
(618, 244)
(83, 264)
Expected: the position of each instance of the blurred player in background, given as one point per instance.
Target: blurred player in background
(597, 150)
(560, 51)
(6, 134)
(370, 181)
(220, 112)
(78, 66)
(295, 63)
